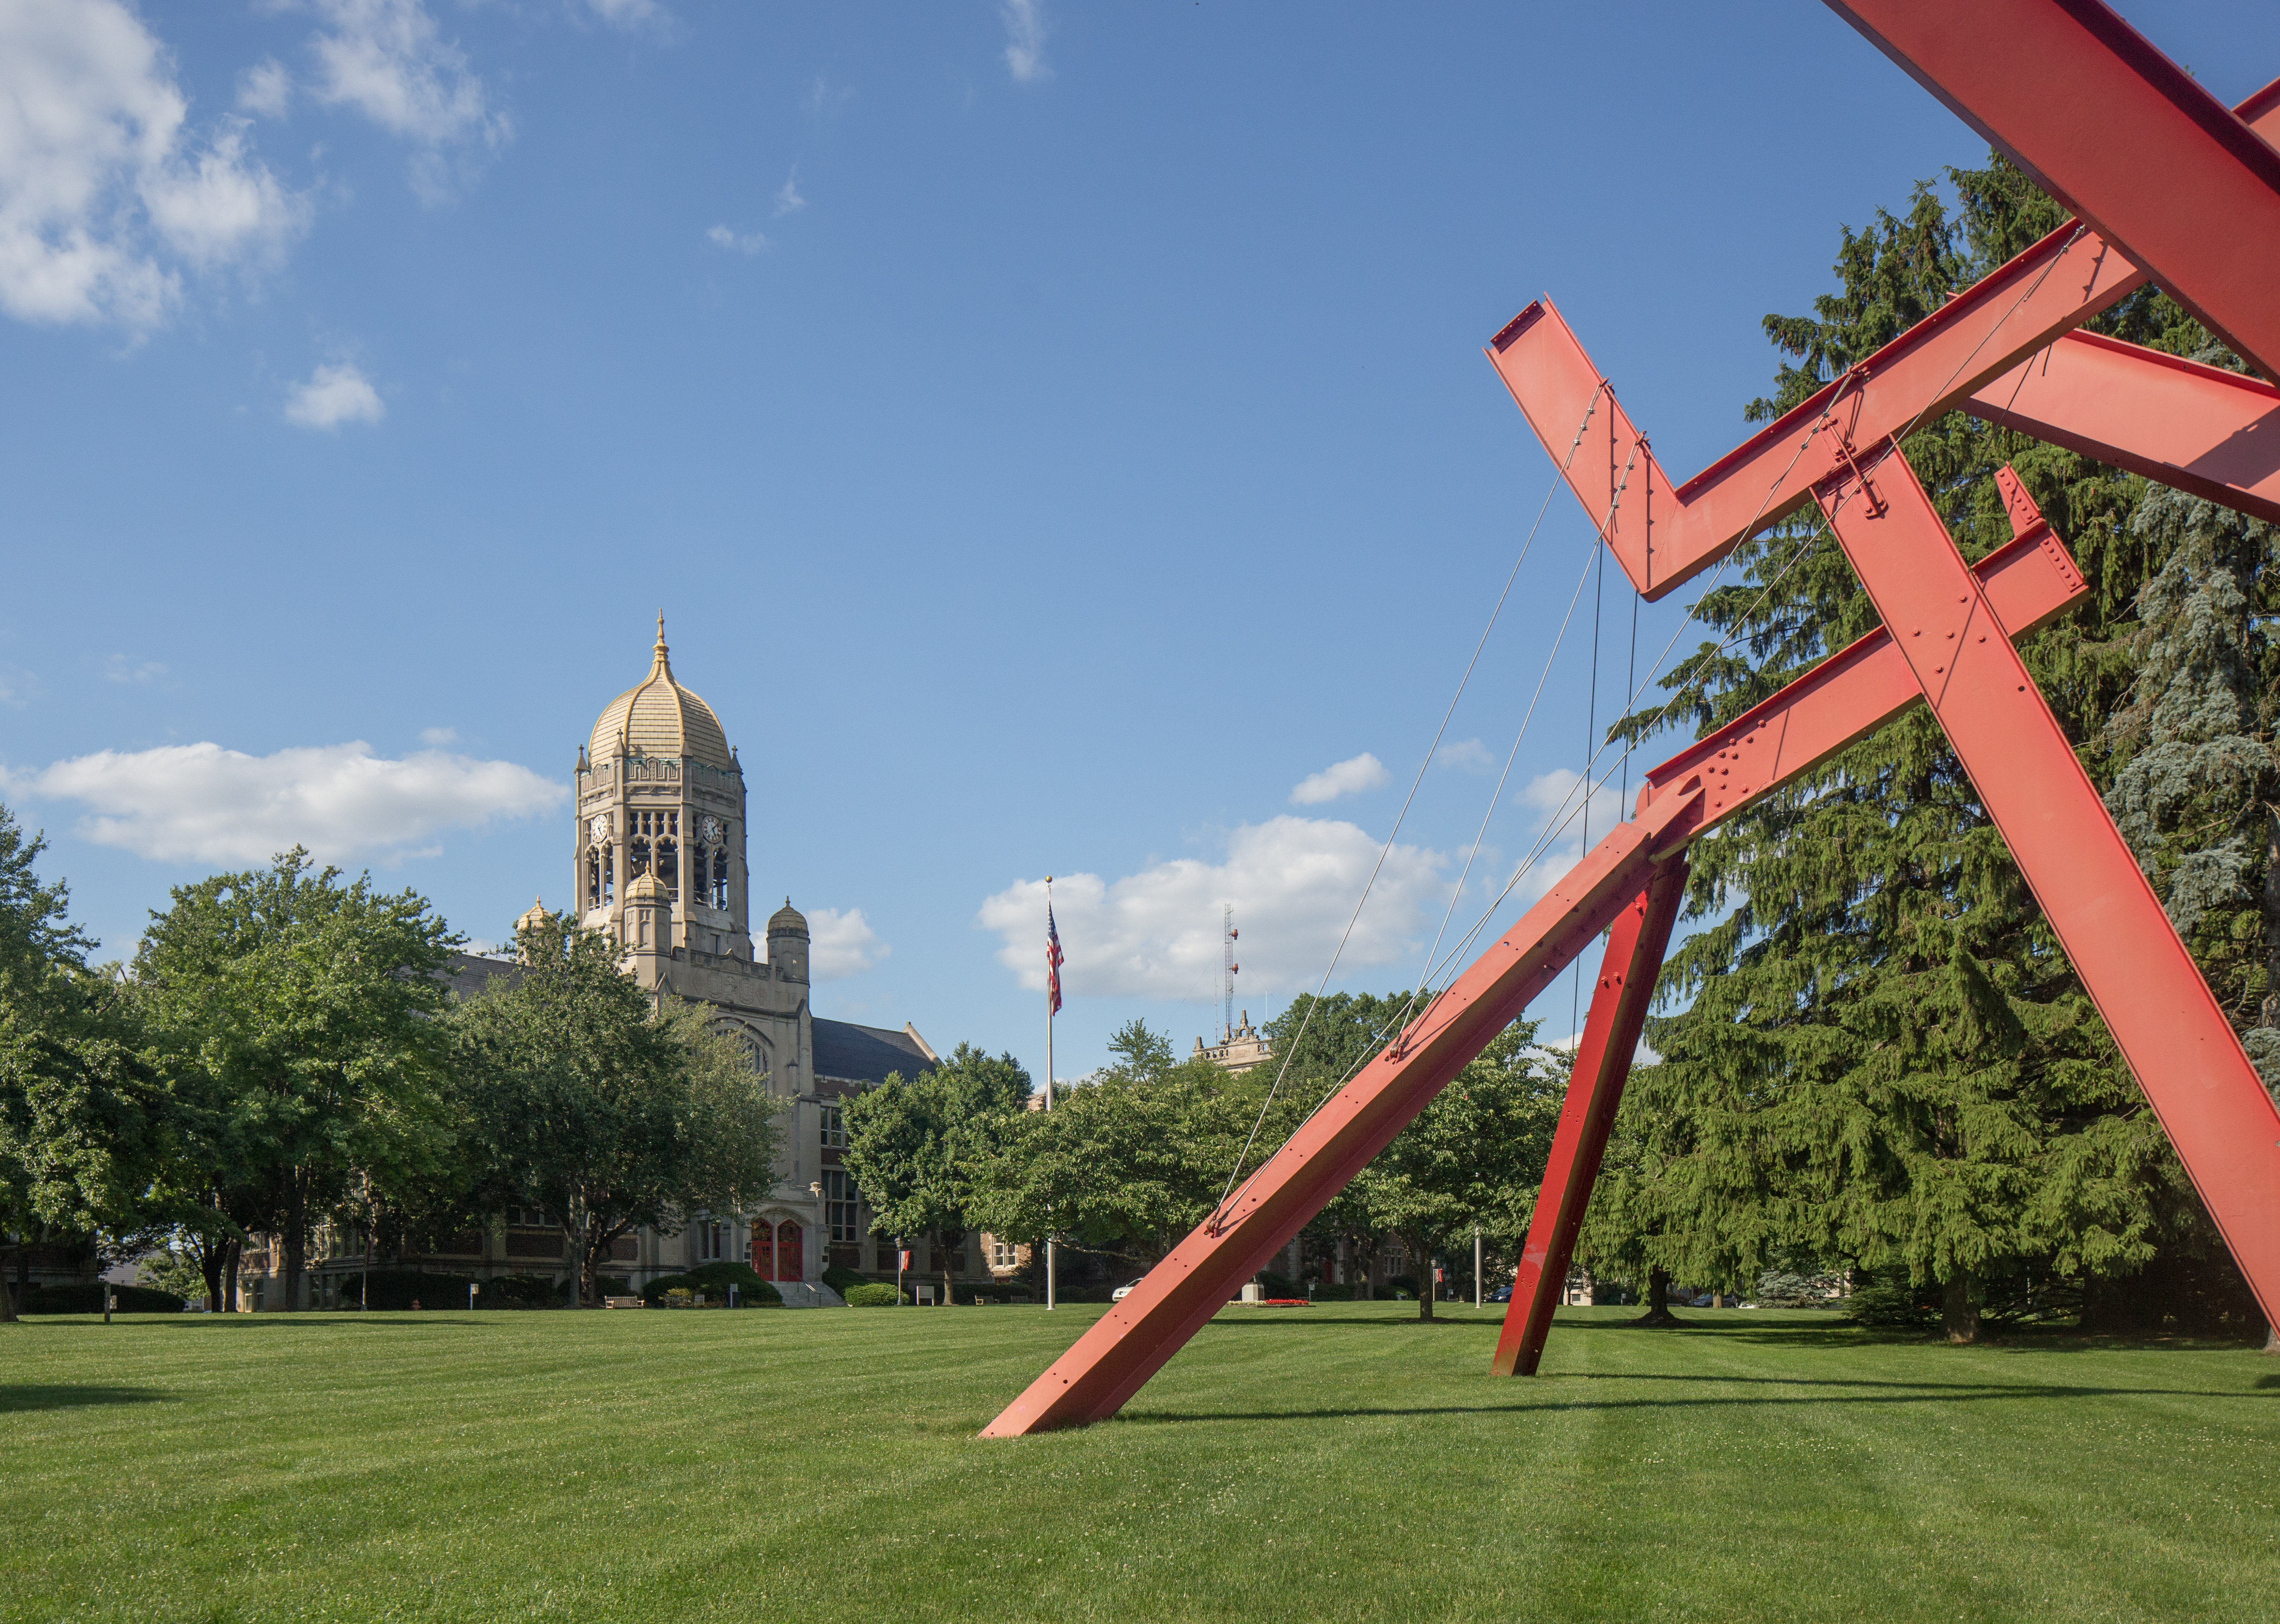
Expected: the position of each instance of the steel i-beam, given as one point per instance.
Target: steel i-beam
(2028, 582)
(1664, 534)
(2102, 121)
(1602, 1061)
(2165, 1021)
(1131, 1342)
(1795, 730)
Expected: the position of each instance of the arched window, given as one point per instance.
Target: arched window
(720, 877)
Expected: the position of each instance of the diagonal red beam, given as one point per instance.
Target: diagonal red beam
(1603, 1062)
(1664, 535)
(2102, 121)
(1846, 696)
(2168, 1024)
(1131, 1341)
(1842, 699)
(2196, 428)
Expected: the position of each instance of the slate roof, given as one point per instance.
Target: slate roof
(866, 1054)
(468, 973)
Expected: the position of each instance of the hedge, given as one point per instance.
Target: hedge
(713, 1280)
(88, 1299)
(874, 1294)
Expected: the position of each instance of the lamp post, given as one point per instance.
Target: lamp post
(823, 1231)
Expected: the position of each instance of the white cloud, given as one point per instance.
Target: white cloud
(1025, 40)
(334, 395)
(265, 89)
(842, 944)
(1348, 777)
(823, 96)
(437, 737)
(103, 185)
(385, 59)
(788, 198)
(627, 13)
(1470, 755)
(751, 242)
(1292, 880)
(1556, 798)
(119, 668)
(200, 803)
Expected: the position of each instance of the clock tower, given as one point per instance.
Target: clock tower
(662, 796)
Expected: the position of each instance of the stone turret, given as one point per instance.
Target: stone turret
(788, 942)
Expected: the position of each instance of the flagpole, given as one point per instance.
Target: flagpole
(1051, 1260)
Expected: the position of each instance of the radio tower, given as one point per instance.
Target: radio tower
(1227, 936)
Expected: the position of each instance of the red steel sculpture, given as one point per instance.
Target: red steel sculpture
(2168, 187)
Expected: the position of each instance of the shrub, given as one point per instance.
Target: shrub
(609, 1285)
(842, 1280)
(874, 1294)
(713, 1280)
(1326, 1292)
(88, 1299)
(1882, 1297)
(396, 1289)
(520, 1292)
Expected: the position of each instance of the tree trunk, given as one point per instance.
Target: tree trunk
(1372, 1273)
(1426, 1288)
(1657, 1301)
(230, 1250)
(210, 1265)
(296, 1236)
(1959, 1313)
(8, 1292)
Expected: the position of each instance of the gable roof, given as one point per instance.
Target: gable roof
(850, 1053)
(467, 975)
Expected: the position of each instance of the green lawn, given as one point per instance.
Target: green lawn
(1338, 1462)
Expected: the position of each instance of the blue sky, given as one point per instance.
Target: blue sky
(1057, 436)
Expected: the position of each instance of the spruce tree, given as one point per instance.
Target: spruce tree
(1887, 1062)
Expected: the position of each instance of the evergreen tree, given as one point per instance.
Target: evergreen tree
(1887, 1062)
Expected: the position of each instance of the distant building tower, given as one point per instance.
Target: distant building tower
(1242, 1047)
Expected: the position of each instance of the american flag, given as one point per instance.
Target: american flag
(1052, 961)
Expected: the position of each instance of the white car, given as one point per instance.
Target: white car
(1124, 1291)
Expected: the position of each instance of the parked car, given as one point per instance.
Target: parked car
(1502, 1294)
(1123, 1291)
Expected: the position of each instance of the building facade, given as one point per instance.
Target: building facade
(659, 862)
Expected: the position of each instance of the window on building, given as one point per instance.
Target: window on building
(835, 1129)
(715, 1241)
(720, 877)
(637, 853)
(529, 1218)
(840, 1200)
(1002, 1255)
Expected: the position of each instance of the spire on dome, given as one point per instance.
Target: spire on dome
(660, 650)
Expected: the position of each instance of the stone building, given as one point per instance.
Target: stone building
(659, 860)
(1239, 1048)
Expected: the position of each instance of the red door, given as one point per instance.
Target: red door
(789, 1264)
(764, 1250)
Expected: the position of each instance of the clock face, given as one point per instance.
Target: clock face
(712, 829)
(598, 831)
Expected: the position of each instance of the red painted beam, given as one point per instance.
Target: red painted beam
(1132, 1341)
(1863, 685)
(1603, 1062)
(1664, 534)
(2167, 1023)
(2196, 428)
(1848, 696)
(2124, 137)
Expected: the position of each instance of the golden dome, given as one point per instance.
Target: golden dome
(788, 921)
(647, 887)
(658, 717)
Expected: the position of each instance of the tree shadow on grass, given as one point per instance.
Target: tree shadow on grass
(69, 1396)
